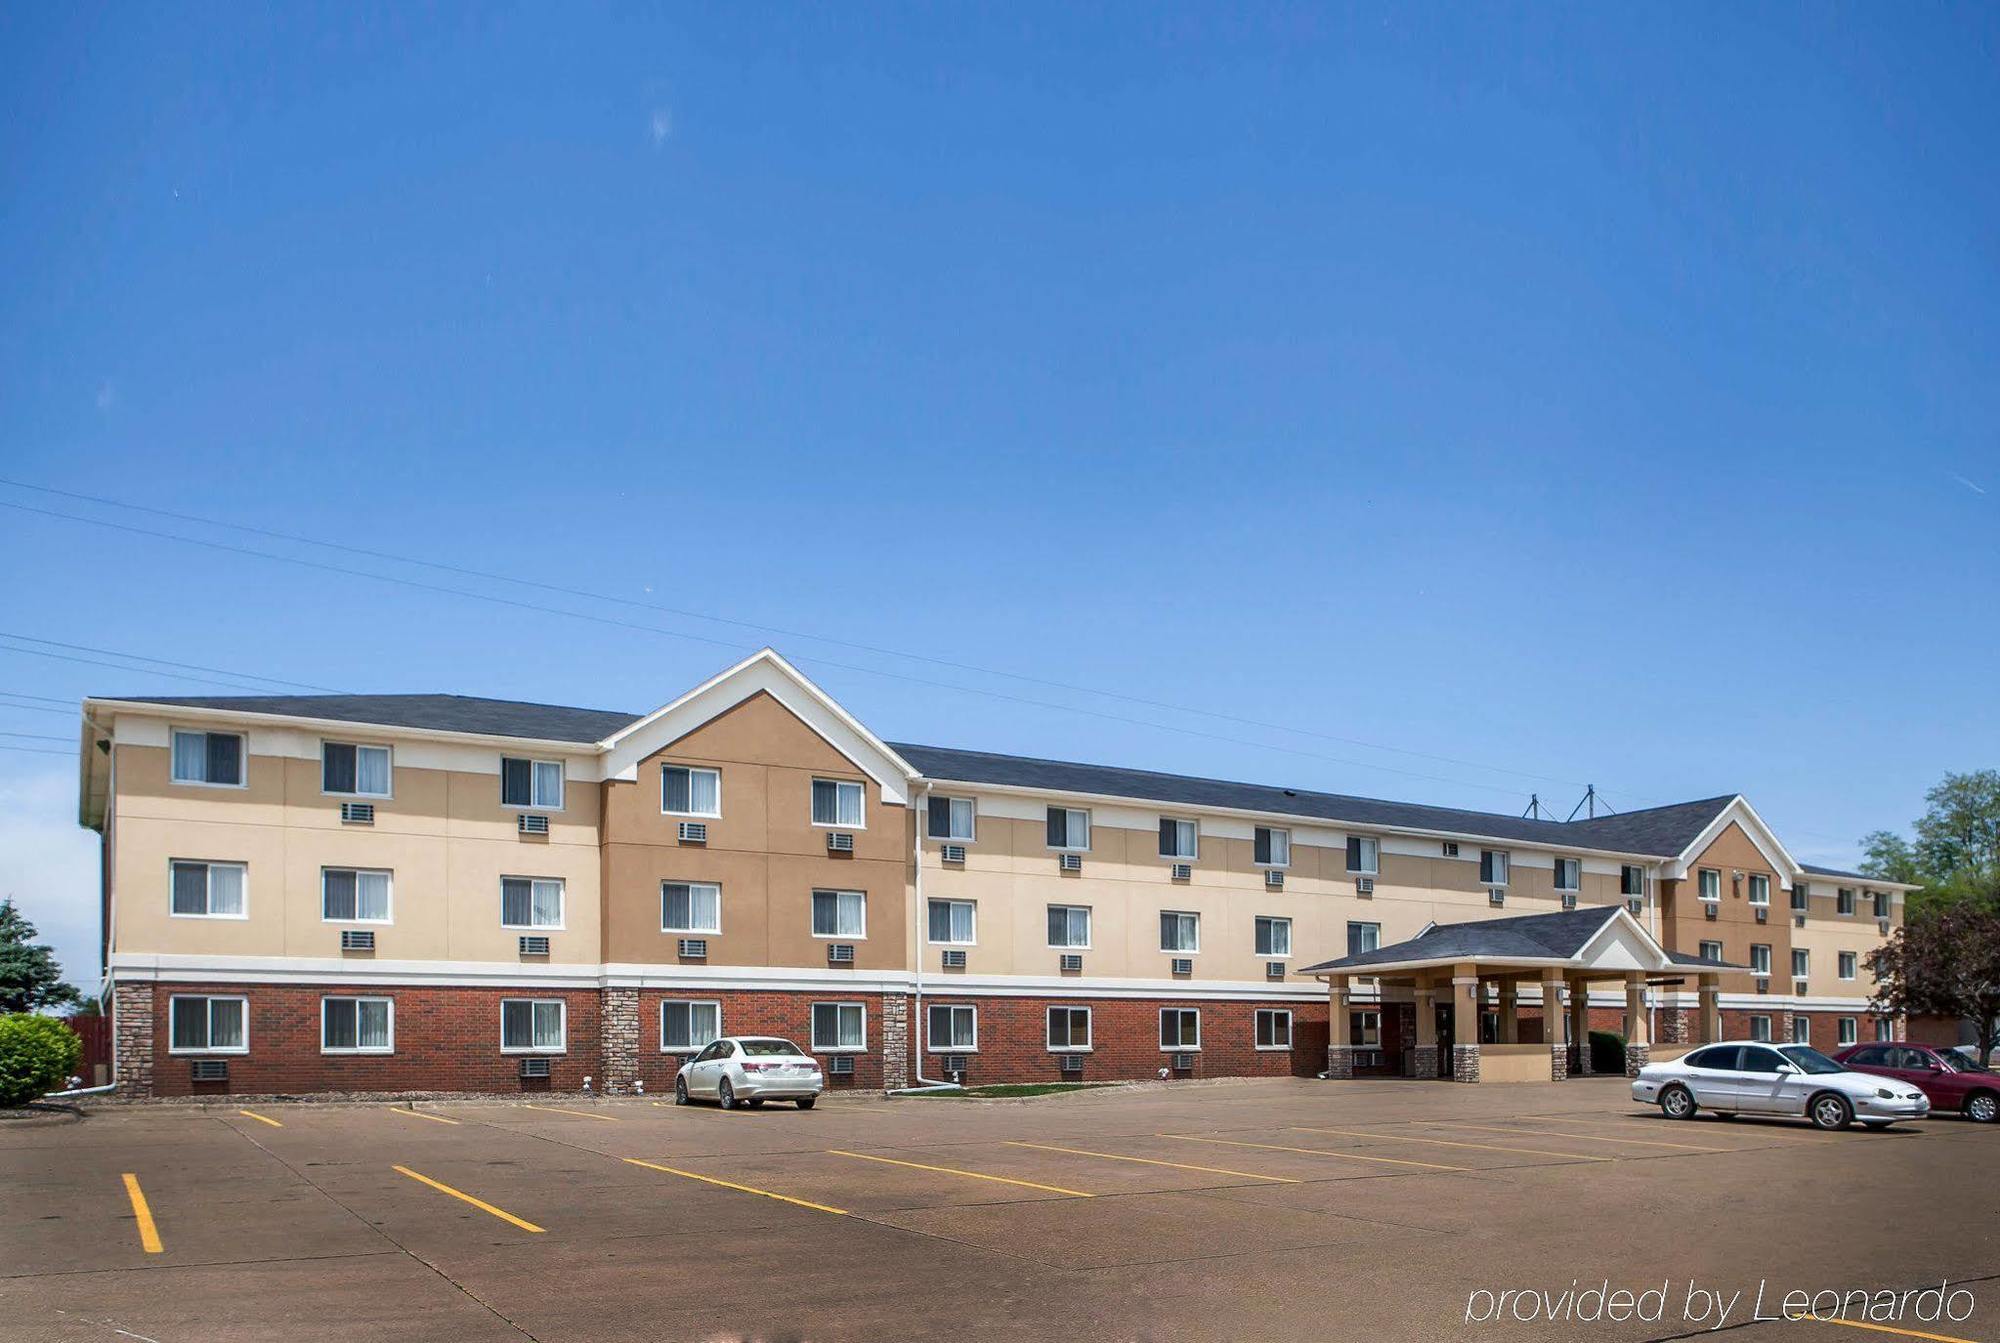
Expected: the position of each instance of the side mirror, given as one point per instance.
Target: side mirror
(1787, 1070)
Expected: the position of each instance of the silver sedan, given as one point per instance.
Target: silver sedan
(749, 1070)
(1754, 1078)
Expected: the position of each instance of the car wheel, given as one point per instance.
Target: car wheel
(806, 1102)
(1982, 1107)
(1677, 1102)
(725, 1094)
(1830, 1112)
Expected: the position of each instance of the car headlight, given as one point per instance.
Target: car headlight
(1885, 1094)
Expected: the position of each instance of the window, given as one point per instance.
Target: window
(1847, 964)
(357, 1026)
(1844, 901)
(1569, 874)
(1274, 1028)
(1801, 1030)
(839, 1027)
(532, 1026)
(951, 818)
(1631, 880)
(1180, 932)
(350, 895)
(208, 757)
(1709, 884)
(207, 890)
(840, 914)
(1884, 1028)
(1177, 838)
(531, 783)
(1363, 937)
(1364, 855)
(208, 1025)
(1760, 1060)
(1364, 1029)
(690, 907)
(1493, 867)
(357, 771)
(1760, 890)
(1801, 962)
(1069, 828)
(837, 802)
(1069, 1028)
(1760, 1027)
(952, 922)
(1069, 926)
(1801, 896)
(1760, 958)
(1722, 1058)
(952, 1027)
(531, 902)
(1180, 1028)
(1711, 951)
(1881, 899)
(1848, 1032)
(1272, 848)
(1274, 936)
(685, 1026)
(685, 791)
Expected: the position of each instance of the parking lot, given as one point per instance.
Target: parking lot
(1254, 1209)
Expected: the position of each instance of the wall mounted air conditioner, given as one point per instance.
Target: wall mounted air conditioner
(1274, 969)
(534, 945)
(1708, 909)
(357, 813)
(1798, 920)
(357, 939)
(532, 825)
(1569, 899)
(1072, 1063)
(1451, 848)
(1364, 885)
(694, 832)
(1184, 1063)
(952, 853)
(841, 1065)
(954, 960)
(1496, 895)
(1636, 905)
(1763, 914)
(1183, 965)
(1183, 872)
(840, 953)
(1799, 987)
(1273, 878)
(694, 948)
(1072, 962)
(839, 841)
(1763, 983)
(954, 1066)
(534, 1067)
(209, 1070)
(1882, 927)
(1069, 862)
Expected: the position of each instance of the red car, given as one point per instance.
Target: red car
(1952, 1081)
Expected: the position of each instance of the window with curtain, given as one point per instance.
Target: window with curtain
(1849, 961)
(687, 791)
(1801, 1030)
(1631, 880)
(1760, 889)
(951, 921)
(200, 1025)
(1711, 951)
(1069, 1028)
(1274, 1028)
(1569, 874)
(1274, 936)
(1801, 897)
(1363, 937)
(1180, 932)
(839, 1026)
(531, 1024)
(1708, 884)
(1069, 828)
(1843, 901)
(952, 1027)
(1493, 867)
(1364, 855)
(836, 802)
(1760, 959)
(1180, 1028)
(355, 771)
(1271, 848)
(351, 895)
(1801, 962)
(531, 783)
(355, 1026)
(208, 757)
(1881, 900)
(839, 914)
(1760, 1027)
(1069, 926)
(951, 818)
(690, 907)
(1848, 1033)
(531, 902)
(685, 1026)
(206, 890)
(1177, 838)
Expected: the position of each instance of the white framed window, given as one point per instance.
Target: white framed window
(1801, 1030)
(350, 770)
(1760, 1027)
(1801, 963)
(211, 758)
(357, 1025)
(690, 907)
(1760, 958)
(1271, 848)
(533, 1025)
(1708, 885)
(1274, 1028)
(1848, 1030)
(1069, 1029)
(1179, 839)
(837, 802)
(1180, 1028)
(1180, 932)
(204, 890)
(1569, 874)
(1760, 890)
(952, 1028)
(1274, 936)
(839, 914)
(354, 895)
(1711, 951)
(1069, 829)
(1801, 897)
(1849, 963)
(1363, 937)
(531, 902)
(1843, 901)
(531, 783)
(839, 1028)
(1365, 1029)
(1631, 880)
(208, 1025)
(952, 818)
(1885, 1029)
(1069, 927)
(1880, 900)
(953, 922)
(688, 791)
(1493, 865)
(686, 1026)
(1364, 855)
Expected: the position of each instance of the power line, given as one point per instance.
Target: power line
(165, 662)
(46, 699)
(6, 703)
(35, 750)
(120, 666)
(32, 736)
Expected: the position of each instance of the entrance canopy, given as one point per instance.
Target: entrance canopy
(1604, 941)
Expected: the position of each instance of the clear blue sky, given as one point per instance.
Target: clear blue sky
(1604, 396)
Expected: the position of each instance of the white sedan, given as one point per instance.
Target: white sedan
(750, 1069)
(1753, 1078)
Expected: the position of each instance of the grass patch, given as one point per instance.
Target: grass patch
(1012, 1089)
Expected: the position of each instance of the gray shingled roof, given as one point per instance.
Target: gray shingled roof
(1815, 870)
(1558, 936)
(439, 713)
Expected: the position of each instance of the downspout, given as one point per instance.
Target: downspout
(916, 1033)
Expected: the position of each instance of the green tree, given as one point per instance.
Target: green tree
(1955, 855)
(30, 979)
(1944, 962)
(37, 1055)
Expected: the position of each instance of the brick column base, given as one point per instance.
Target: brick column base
(1465, 1063)
(1673, 1026)
(132, 1038)
(1636, 1057)
(621, 1040)
(1424, 1061)
(1559, 1063)
(1340, 1062)
(895, 1042)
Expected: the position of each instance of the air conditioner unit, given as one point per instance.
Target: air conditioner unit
(1274, 969)
(952, 853)
(357, 813)
(954, 1064)
(694, 948)
(1183, 872)
(1072, 961)
(1763, 983)
(694, 832)
(954, 960)
(1184, 1063)
(532, 825)
(534, 1067)
(1763, 914)
(1069, 862)
(1798, 920)
(1364, 885)
(1496, 895)
(1636, 905)
(209, 1070)
(840, 953)
(1273, 878)
(839, 841)
(1183, 965)
(1072, 1063)
(1451, 848)
(1708, 909)
(1799, 987)
(535, 945)
(841, 1065)
(357, 939)
(1882, 927)
(1569, 899)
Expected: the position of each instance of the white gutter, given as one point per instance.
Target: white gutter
(916, 1034)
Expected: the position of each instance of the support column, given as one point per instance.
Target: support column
(1424, 1061)
(1510, 1013)
(1555, 1026)
(1579, 1030)
(620, 1028)
(1638, 1040)
(1339, 1038)
(895, 1041)
(132, 1039)
(1711, 1009)
(1467, 998)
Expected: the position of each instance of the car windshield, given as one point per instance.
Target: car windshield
(1961, 1063)
(1809, 1059)
(760, 1048)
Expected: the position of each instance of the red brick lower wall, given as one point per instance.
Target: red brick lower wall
(752, 1012)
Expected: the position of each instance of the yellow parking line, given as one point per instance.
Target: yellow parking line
(1149, 1161)
(419, 1114)
(1883, 1329)
(1315, 1151)
(1586, 1137)
(1446, 1142)
(580, 1114)
(149, 1235)
(260, 1118)
(968, 1174)
(743, 1188)
(480, 1204)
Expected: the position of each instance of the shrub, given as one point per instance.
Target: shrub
(1607, 1052)
(37, 1056)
